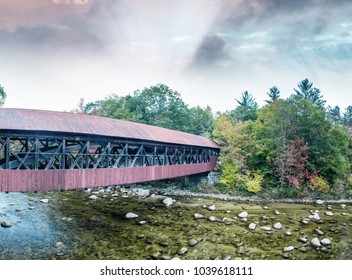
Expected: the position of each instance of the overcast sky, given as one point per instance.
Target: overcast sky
(53, 52)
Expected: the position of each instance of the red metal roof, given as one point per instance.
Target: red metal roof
(39, 120)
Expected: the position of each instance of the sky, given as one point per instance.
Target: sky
(54, 52)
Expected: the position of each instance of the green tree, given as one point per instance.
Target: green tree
(247, 108)
(347, 116)
(334, 114)
(274, 94)
(3, 96)
(307, 91)
(201, 121)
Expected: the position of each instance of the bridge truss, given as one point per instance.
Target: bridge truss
(48, 152)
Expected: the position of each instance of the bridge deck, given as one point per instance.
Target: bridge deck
(44, 150)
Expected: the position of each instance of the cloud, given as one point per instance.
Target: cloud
(64, 25)
(213, 50)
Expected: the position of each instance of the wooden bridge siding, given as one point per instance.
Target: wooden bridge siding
(47, 180)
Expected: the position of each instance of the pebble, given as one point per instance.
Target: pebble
(243, 214)
(212, 219)
(315, 217)
(244, 219)
(252, 226)
(325, 242)
(6, 224)
(343, 206)
(289, 249)
(131, 215)
(278, 225)
(198, 216)
(212, 208)
(44, 200)
(265, 207)
(329, 207)
(288, 233)
(142, 222)
(277, 212)
(227, 258)
(315, 242)
(183, 251)
(93, 197)
(192, 242)
(318, 231)
(329, 213)
(343, 214)
(168, 201)
(228, 211)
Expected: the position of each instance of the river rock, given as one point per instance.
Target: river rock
(59, 244)
(252, 226)
(168, 201)
(277, 212)
(325, 242)
(343, 214)
(93, 197)
(302, 239)
(243, 214)
(192, 242)
(319, 202)
(318, 231)
(131, 215)
(142, 192)
(141, 223)
(329, 213)
(343, 206)
(315, 217)
(198, 216)
(289, 249)
(305, 221)
(315, 242)
(212, 208)
(278, 225)
(183, 251)
(44, 200)
(212, 219)
(6, 224)
(266, 228)
(329, 207)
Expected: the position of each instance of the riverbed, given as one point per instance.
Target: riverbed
(92, 224)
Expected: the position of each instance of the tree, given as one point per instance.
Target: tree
(3, 96)
(307, 91)
(347, 116)
(201, 121)
(274, 94)
(334, 114)
(247, 108)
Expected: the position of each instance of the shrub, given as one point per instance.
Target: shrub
(320, 184)
(253, 182)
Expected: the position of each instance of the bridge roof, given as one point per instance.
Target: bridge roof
(62, 122)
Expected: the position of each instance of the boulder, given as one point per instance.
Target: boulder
(252, 226)
(243, 214)
(315, 242)
(168, 201)
(278, 225)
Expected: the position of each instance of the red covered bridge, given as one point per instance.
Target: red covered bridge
(45, 150)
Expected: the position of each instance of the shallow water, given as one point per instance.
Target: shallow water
(72, 226)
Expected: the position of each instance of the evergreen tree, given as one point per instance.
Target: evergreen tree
(308, 92)
(273, 94)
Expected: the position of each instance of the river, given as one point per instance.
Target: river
(92, 224)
